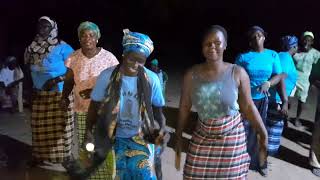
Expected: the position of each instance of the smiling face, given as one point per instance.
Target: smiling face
(44, 28)
(88, 39)
(131, 62)
(214, 45)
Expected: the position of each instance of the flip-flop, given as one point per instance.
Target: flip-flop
(316, 171)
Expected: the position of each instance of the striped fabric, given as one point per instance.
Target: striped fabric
(275, 128)
(218, 150)
(52, 128)
(107, 170)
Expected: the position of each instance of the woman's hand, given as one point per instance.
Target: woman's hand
(85, 94)
(49, 84)
(264, 88)
(64, 103)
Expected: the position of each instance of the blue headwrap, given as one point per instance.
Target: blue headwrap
(136, 42)
(289, 42)
(89, 26)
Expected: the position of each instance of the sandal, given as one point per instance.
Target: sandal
(316, 171)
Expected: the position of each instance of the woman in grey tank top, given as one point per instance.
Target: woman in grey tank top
(218, 91)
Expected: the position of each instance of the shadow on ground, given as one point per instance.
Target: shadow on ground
(293, 157)
(14, 157)
(299, 136)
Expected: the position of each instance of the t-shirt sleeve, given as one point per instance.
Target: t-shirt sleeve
(68, 62)
(276, 68)
(99, 91)
(113, 60)
(317, 57)
(157, 96)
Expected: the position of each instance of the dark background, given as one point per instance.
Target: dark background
(175, 26)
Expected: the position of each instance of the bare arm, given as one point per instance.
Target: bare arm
(185, 104)
(159, 117)
(248, 108)
(281, 89)
(68, 84)
(277, 78)
(184, 112)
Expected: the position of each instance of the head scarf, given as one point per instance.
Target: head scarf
(254, 29)
(308, 33)
(89, 26)
(136, 42)
(40, 48)
(289, 42)
(155, 62)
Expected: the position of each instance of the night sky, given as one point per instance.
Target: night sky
(175, 26)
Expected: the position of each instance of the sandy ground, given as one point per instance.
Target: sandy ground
(291, 165)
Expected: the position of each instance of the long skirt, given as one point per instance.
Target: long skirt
(52, 128)
(106, 171)
(218, 150)
(252, 144)
(275, 126)
(134, 159)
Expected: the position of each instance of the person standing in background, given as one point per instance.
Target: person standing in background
(276, 118)
(304, 60)
(84, 66)
(264, 70)
(163, 76)
(51, 126)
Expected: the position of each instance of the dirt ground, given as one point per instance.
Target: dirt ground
(292, 163)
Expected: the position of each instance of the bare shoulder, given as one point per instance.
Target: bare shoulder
(240, 73)
(195, 69)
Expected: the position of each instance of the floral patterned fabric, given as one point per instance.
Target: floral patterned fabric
(86, 71)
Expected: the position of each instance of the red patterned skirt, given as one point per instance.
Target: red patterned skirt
(218, 150)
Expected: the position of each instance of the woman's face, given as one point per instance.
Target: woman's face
(88, 39)
(213, 46)
(44, 28)
(257, 39)
(132, 61)
(307, 42)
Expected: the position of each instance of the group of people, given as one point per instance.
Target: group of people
(242, 107)
(118, 107)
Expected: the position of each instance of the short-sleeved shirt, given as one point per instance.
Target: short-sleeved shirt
(129, 119)
(52, 66)
(289, 68)
(260, 66)
(304, 62)
(85, 73)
